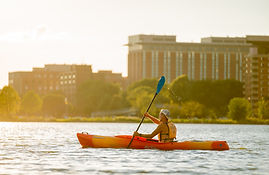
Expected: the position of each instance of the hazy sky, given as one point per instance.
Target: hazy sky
(38, 32)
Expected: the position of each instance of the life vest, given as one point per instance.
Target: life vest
(171, 135)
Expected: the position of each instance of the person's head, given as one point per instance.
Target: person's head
(164, 114)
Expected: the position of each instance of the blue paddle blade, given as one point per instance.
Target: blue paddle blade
(160, 84)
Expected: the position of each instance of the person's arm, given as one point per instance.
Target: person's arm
(153, 119)
(150, 136)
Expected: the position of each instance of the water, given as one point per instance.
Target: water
(52, 148)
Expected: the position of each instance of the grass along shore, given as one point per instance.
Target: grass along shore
(127, 119)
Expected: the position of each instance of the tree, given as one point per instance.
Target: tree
(216, 94)
(239, 109)
(141, 96)
(263, 109)
(180, 89)
(192, 109)
(152, 83)
(54, 105)
(95, 95)
(9, 101)
(31, 103)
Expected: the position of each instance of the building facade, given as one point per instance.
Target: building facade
(51, 78)
(60, 77)
(110, 77)
(256, 69)
(38, 80)
(215, 58)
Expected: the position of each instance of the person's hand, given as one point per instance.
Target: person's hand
(146, 114)
(136, 133)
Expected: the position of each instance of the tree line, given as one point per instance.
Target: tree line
(183, 97)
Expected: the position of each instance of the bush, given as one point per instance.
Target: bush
(263, 109)
(239, 109)
(192, 109)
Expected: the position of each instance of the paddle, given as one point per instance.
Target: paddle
(159, 87)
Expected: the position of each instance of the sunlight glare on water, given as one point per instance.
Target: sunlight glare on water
(42, 148)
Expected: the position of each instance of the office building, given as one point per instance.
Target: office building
(214, 58)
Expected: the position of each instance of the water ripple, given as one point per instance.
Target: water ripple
(45, 148)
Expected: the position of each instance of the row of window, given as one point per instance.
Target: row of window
(197, 49)
(44, 75)
(68, 82)
(67, 76)
(40, 88)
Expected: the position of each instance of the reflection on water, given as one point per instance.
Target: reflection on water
(42, 148)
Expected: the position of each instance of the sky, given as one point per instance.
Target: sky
(38, 32)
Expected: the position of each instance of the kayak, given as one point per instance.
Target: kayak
(121, 141)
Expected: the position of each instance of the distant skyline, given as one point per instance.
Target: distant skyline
(38, 32)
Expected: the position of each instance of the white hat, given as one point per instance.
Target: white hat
(165, 112)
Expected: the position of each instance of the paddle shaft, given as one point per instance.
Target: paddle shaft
(142, 119)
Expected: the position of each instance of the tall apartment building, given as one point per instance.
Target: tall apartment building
(256, 69)
(215, 58)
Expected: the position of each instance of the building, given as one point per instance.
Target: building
(71, 78)
(38, 80)
(60, 77)
(256, 69)
(110, 77)
(215, 58)
(51, 78)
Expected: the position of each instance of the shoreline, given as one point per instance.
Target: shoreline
(126, 119)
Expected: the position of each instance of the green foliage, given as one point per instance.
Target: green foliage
(141, 93)
(31, 103)
(152, 83)
(239, 109)
(9, 101)
(263, 108)
(192, 109)
(54, 105)
(140, 98)
(214, 95)
(96, 95)
(180, 89)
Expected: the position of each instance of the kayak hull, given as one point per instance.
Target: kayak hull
(122, 141)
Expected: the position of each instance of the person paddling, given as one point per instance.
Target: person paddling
(166, 130)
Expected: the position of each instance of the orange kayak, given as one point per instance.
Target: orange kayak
(122, 141)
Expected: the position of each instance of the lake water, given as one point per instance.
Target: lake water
(52, 148)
